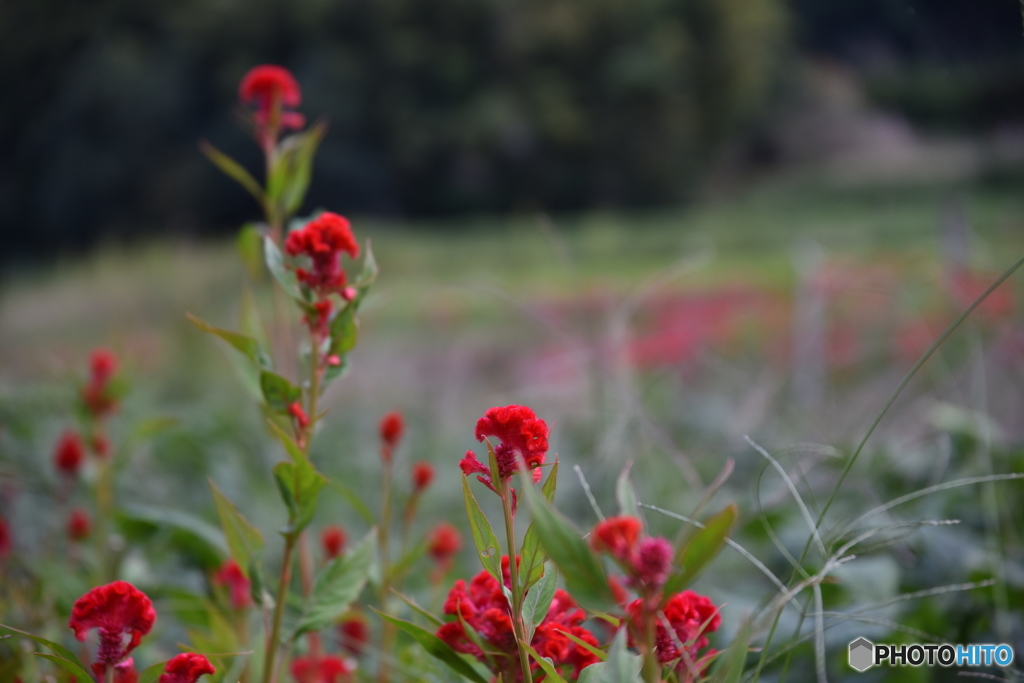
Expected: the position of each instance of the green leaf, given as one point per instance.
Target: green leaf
(416, 608)
(344, 331)
(546, 665)
(338, 585)
(597, 652)
(438, 649)
(483, 536)
(538, 599)
(369, 271)
(256, 583)
(151, 673)
(64, 654)
(244, 540)
(701, 548)
(66, 664)
(275, 264)
(232, 169)
(289, 180)
(298, 482)
(730, 664)
(354, 500)
(584, 574)
(531, 555)
(249, 347)
(249, 243)
(191, 535)
(620, 667)
(626, 494)
(278, 392)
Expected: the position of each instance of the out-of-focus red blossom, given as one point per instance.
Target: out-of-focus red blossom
(96, 393)
(690, 616)
(124, 672)
(333, 540)
(298, 415)
(100, 445)
(482, 606)
(354, 633)
(392, 427)
(238, 585)
(323, 240)
(272, 88)
(69, 453)
(5, 538)
(444, 542)
(653, 562)
(186, 668)
(965, 286)
(422, 475)
(617, 536)
(79, 525)
(325, 669)
(117, 609)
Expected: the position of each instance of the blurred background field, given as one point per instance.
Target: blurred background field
(664, 226)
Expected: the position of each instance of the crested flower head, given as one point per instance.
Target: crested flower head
(617, 536)
(69, 453)
(520, 432)
(186, 668)
(272, 89)
(323, 240)
(122, 613)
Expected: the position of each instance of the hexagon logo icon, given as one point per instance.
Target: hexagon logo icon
(862, 654)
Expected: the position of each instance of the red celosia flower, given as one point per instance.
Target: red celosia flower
(422, 475)
(355, 633)
(482, 607)
(444, 542)
(690, 616)
(79, 525)
(186, 668)
(392, 426)
(319, 319)
(5, 538)
(617, 536)
(239, 587)
(326, 669)
(124, 672)
(117, 609)
(69, 453)
(102, 366)
(272, 88)
(653, 562)
(323, 240)
(96, 393)
(520, 431)
(333, 541)
(100, 445)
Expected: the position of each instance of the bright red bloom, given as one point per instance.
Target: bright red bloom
(422, 475)
(69, 453)
(323, 240)
(96, 393)
(117, 609)
(326, 669)
(520, 431)
(333, 541)
(239, 587)
(355, 633)
(186, 668)
(482, 606)
(102, 366)
(272, 88)
(392, 426)
(444, 542)
(690, 616)
(653, 562)
(617, 536)
(5, 538)
(79, 525)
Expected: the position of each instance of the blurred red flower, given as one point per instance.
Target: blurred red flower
(272, 88)
(186, 668)
(444, 542)
(333, 540)
(617, 536)
(79, 525)
(422, 475)
(690, 616)
(69, 453)
(325, 669)
(239, 587)
(323, 240)
(354, 633)
(392, 426)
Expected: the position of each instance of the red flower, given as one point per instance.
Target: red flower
(79, 525)
(690, 616)
(298, 415)
(232, 576)
(117, 609)
(392, 426)
(323, 240)
(333, 541)
(186, 668)
(102, 366)
(482, 607)
(422, 475)
(653, 562)
(617, 536)
(100, 445)
(355, 633)
(520, 431)
(69, 453)
(5, 538)
(96, 393)
(272, 88)
(326, 669)
(444, 542)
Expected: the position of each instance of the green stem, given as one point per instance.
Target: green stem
(651, 668)
(387, 635)
(518, 626)
(282, 597)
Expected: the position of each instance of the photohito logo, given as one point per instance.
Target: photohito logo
(864, 654)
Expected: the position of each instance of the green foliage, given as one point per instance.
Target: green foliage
(245, 542)
(487, 547)
(247, 346)
(700, 547)
(438, 648)
(278, 392)
(338, 585)
(298, 482)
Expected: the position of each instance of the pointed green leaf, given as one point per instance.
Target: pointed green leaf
(416, 608)
(538, 599)
(249, 244)
(298, 482)
(62, 652)
(438, 648)
(66, 664)
(531, 555)
(486, 542)
(626, 495)
(597, 652)
(344, 331)
(730, 664)
(194, 537)
(275, 264)
(247, 346)
(290, 177)
(151, 673)
(278, 392)
(620, 667)
(701, 548)
(338, 585)
(233, 170)
(244, 540)
(369, 271)
(584, 574)
(546, 666)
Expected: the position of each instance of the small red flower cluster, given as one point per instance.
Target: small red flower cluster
(422, 476)
(69, 453)
(354, 633)
(333, 540)
(323, 240)
(521, 435)
(690, 617)
(239, 588)
(482, 606)
(96, 394)
(272, 88)
(392, 427)
(646, 561)
(323, 669)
